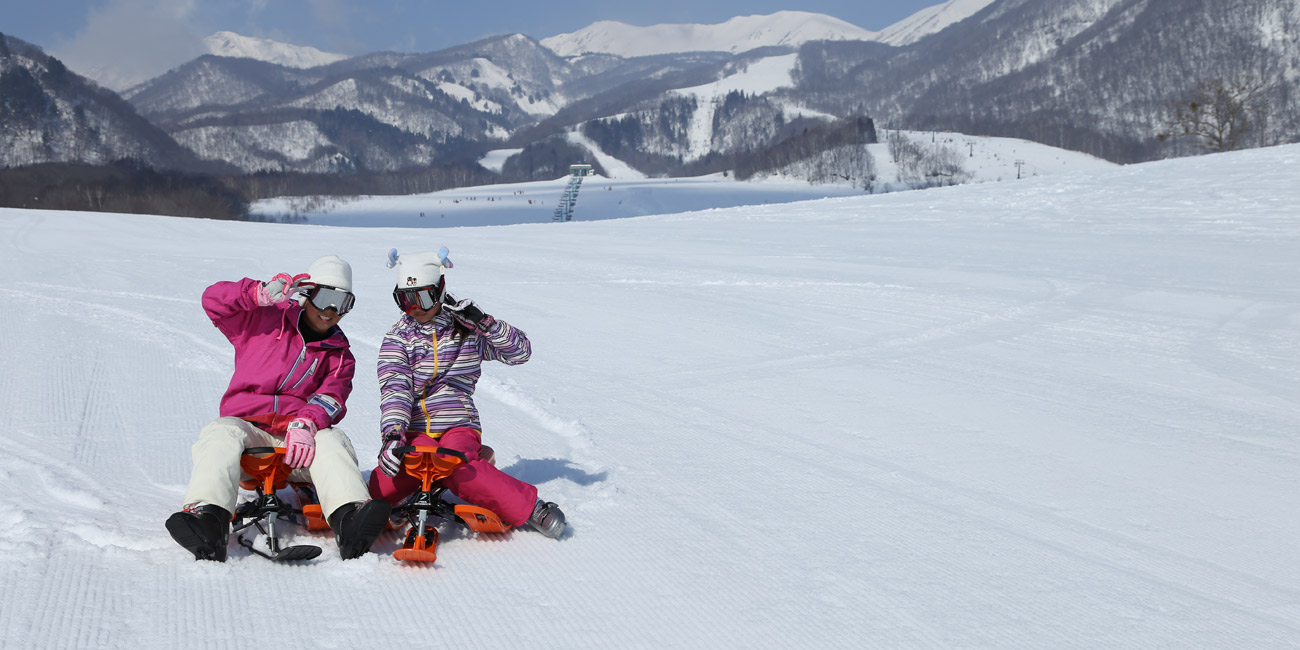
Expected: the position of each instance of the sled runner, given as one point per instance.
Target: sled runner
(430, 465)
(265, 466)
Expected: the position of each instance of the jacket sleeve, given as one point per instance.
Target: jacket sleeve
(506, 343)
(396, 385)
(230, 305)
(328, 405)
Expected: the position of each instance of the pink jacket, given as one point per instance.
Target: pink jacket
(278, 378)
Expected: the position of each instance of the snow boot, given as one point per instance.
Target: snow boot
(203, 530)
(357, 525)
(548, 519)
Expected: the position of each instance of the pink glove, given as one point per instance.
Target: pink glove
(279, 288)
(300, 443)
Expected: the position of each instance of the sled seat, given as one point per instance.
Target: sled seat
(265, 469)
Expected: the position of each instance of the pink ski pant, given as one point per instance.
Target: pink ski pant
(477, 482)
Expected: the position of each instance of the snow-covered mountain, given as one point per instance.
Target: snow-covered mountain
(50, 114)
(744, 33)
(263, 49)
(930, 20)
(740, 34)
(1089, 75)
(1095, 76)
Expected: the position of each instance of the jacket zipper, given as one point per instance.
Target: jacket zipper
(302, 356)
(310, 370)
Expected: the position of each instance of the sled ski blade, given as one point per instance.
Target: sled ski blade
(297, 553)
(315, 519)
(480, 520)
(419, 548)
(414, 555)
(287, 554)
(310, 503)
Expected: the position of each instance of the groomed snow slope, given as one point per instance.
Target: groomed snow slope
(1056, 413)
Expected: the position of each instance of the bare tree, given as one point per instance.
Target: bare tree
(1220, 113)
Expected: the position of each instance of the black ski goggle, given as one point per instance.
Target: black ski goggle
(425, 298)
(323, 297)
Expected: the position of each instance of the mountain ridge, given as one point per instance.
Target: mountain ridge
(227, 43)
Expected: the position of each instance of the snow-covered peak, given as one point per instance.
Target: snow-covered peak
(929, 21)
(739, 34)
(263, 49)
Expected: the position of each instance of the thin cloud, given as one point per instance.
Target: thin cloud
(126, 42)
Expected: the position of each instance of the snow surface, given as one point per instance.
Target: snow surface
(1056, 413)
(496, 159)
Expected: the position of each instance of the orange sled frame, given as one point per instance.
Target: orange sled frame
(431, 465)
(268, 473)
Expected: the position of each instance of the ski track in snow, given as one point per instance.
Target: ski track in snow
(1061, 413)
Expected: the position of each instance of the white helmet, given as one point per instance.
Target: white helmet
(419, 269)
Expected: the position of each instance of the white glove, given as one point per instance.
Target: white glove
(280, 288)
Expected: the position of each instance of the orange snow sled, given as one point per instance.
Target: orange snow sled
(267, 474)
(431, 465)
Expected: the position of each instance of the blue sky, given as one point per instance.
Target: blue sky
(159, 34)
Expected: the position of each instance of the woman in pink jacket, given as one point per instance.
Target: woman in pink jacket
(293, 375)
(429, 364)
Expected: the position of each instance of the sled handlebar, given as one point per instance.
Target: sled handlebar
(403, 451)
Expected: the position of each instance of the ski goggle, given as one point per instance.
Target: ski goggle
(323, 297)
(425, 298)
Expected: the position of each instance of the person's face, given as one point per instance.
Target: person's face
(320, 321)
(425, 315)
(412, 300)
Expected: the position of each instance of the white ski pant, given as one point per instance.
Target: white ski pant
(216, 474)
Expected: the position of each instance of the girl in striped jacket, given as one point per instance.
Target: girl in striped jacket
(429, 363)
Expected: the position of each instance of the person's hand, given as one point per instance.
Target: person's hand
(389, 462)
(468, 314)
(280, 288)
(300, 443)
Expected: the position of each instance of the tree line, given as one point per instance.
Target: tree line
(121, 187)
(127, 186)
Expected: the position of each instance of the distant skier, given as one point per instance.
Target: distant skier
(293, 374)
(429, 364)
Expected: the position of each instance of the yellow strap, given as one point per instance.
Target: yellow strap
(424, 409)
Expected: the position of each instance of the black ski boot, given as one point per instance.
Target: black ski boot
(202, 530)
(357, 525)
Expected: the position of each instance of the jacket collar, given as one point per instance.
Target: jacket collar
(335, 338)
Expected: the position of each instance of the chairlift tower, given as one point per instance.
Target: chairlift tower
(577, 172)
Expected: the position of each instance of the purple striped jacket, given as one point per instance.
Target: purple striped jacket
(427, 373)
